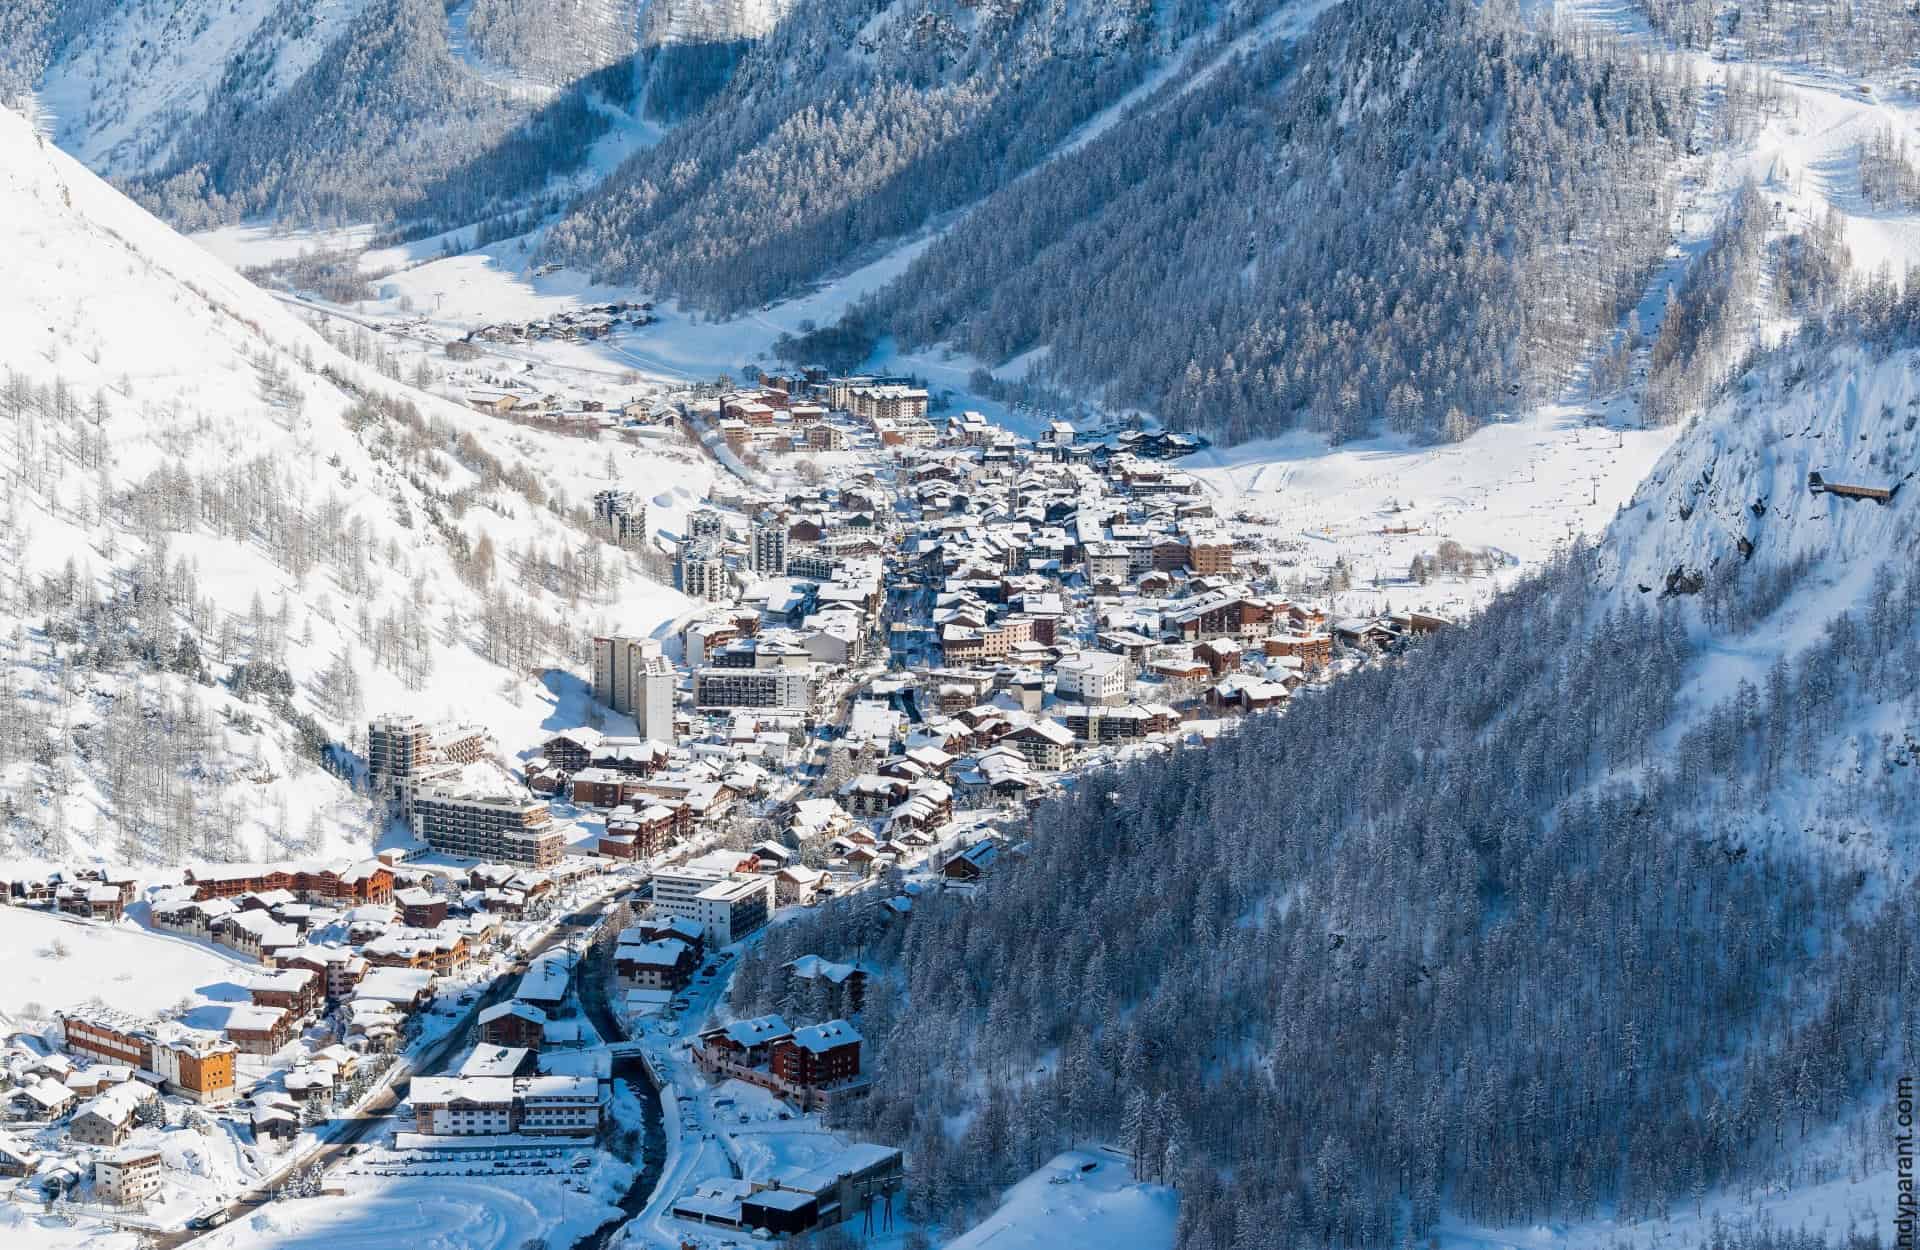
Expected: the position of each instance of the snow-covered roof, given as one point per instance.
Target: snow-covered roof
(758, 1030)
(662, 953)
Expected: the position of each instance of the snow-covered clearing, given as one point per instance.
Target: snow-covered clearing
(1830, 1208)
(117, 94)
(139, 971)
(1064, 1206)
(32, 1230)
(1521, 488)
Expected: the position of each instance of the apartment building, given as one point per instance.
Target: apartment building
(259, 1030)
(398, 747)
(621, 516)
(570, 749)
(810, 1066)
(701, 571)
(642, 831)
(483, 1106)
(726, 905)
(190, 1065)
(818, 1054)
(1108, 563)
(664, 964)
(1210, 555)
(788, 689)
(108, 1036)
(127, 1178)
(768, 556)
(339, 967)
(1046, 744)
(342, 883)
(1098, 677)
(961, 644)
(507, 828)
(298, 991)
(633, 676)
(888, 403)
(196, 1068)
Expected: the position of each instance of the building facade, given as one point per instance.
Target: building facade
(789, 689)
(482, 1106)
(769, 551)
(621, 516)
(633, 676)
(488, 827)
(702, 570)
(726, 906)
(127, 1178)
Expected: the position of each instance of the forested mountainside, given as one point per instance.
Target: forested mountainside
(227, 540)
(316, 112)
(1600, 904)
(388, 123)
(1430, 211)
(1423, 211)
(550, 41)
(859, 121)
(1852, 36)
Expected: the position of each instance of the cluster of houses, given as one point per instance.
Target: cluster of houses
(349, 954)
(77, 1110)
(89, 893)
(809, 411)
(527, 1075)
(588, 323)
(964, 613)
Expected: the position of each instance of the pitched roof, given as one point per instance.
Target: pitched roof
(820, 1038)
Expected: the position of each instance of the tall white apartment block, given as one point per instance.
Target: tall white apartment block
(769, 555)
(632, 676)
(703, 570)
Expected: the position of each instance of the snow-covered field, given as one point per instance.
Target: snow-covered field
(31, 1230)
(428, 1213)
(1833, 1206)
(1519, 489)
(138, 970)
(1063, 1206)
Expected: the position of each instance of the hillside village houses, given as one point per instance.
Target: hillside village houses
(346, 960)
(883, 664)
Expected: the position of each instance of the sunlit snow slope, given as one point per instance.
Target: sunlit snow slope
(225, 543)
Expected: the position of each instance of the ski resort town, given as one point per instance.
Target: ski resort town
(886, 664)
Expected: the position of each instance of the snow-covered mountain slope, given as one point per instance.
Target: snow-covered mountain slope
(227, 541)
(121, 85)
(1733, 493)
(1555, 878)
(342, 110)
(1781, 525)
